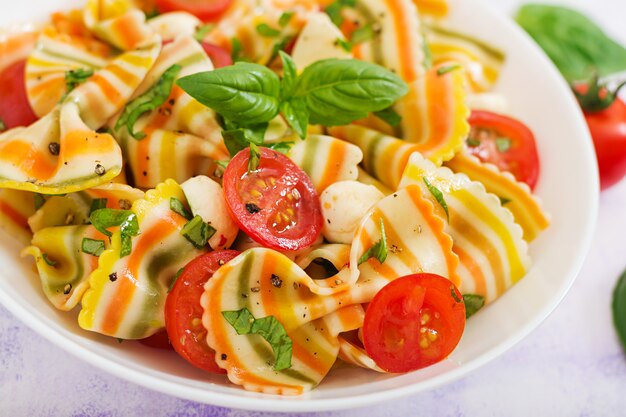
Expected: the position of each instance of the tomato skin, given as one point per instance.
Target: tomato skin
(413, 322)
(521, 159)
(15, 109)
(158, 340)
(183, 312)
(608, 130)
(205, 10)
(219, 56)
(286, 194)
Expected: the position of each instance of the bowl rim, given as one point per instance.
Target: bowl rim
(300, 404)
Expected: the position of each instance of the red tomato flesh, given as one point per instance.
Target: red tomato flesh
(413, 322)
(505, 142)
(15, 109)
(205, 10)
(276, 205)
(219, 56)
(183, 312)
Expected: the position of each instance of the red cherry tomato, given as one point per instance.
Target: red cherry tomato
(219, 56)
(276, 205)
(206, 10)
(158, 340)
(413, 322)
(505, 142)
(183, 312)
(606, 118)
(15, 109)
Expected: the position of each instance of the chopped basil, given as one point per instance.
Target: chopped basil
(202, 31)
(504, 200)
(255, 156)
(503, 144)
(379, 250)
(73, 78)
(237, 139)
(104, 218)
(390, 116)
(362, 34)
(198, 232)
(619, 308)
(428, 54)
(264, 30)
(454, 295)
(97, 204)
(280, 46)
(448, 68)
(39, 200)
(236, 50)
(473, 303)
(3, 126)
(92, 246)
(47, 260)
(282, 147)
(472, 142)
(180, 271)
(148, 101)
(438, 196)
(269, 328)
(346, 45)
(334, 10)
(284, 19)
(178, 207)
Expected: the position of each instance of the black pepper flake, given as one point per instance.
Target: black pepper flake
(100, 169)
(255, 289)
(276, 281)
(54, 148)
(224, 356)
(172, 101)
(67, 289)
(244, 295)
(252, 208)
(145, 173)
(113, 277)
(328, 220)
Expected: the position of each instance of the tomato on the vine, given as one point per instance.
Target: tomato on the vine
(275, 204)
(605, 113)
(206, 10)
(505, 142)
(183, 312)
(15, 109)
(413, 322)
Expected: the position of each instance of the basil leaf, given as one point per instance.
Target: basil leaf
(269, 328)
(255, 156)
(39, 200)
(148, 101)
(73, 78)
(575, 44)
(340, 91)
(290, 74)
(438, 196)
(3, 126)
(296, 114)
(473, 303)
(264, 30)
(503, 144)
(128, 229)
(334, 10)
(279, 46)
(198, 232)
(104, 218)
(244, 92)
(390, 116)
(47, 260)
(504, 200)
(202, 31)
(472, 142)
(282, 147)
(619, 308)
(97, 204)
(428, 53)
(92, 246)
(362, 34)
(178, 207)
(448, 68)
(238, 139)
(284, 19)
(346, 45)
(379, 250)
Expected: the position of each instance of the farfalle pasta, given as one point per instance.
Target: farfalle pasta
(263, 184)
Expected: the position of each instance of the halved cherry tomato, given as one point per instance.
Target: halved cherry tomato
(276, 205)
(219, 56)
(158, 340)
(413, 322)
(15, 109)
(505, 142)
(183, 312)
(206, 10)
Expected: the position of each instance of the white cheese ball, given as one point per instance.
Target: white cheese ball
(344, 204)
(206, 199)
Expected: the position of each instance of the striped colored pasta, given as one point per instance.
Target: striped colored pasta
(15, 209)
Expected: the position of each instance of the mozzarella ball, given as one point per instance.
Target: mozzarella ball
(344, 204)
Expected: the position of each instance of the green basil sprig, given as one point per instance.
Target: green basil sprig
(267, 327)
(330, 92)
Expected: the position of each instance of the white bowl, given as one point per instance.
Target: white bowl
(568, 187)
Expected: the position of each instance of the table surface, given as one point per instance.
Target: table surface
(572, 365)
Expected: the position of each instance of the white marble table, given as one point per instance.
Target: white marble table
(572, 365)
